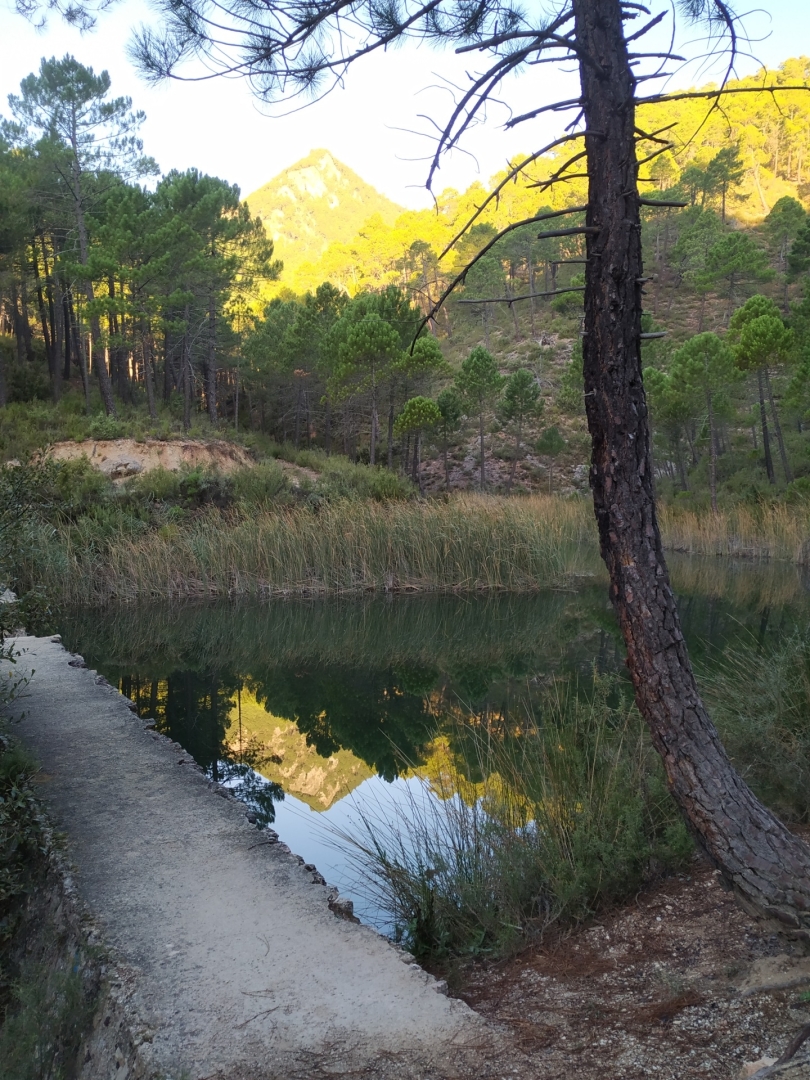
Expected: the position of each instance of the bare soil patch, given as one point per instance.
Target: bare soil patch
(119, 458)
(680, 985)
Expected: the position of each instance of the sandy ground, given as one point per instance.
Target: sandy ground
(233, 961)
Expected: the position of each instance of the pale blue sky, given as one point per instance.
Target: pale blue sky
(217, 127)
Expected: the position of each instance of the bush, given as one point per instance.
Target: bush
(341, 479)
(106, 427)
(261, 485)
(28, 382)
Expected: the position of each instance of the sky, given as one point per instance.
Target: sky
(372, 123)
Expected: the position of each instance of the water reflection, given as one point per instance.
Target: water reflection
(298, 705)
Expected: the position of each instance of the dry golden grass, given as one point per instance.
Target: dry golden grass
(772, 532)
(466, 543)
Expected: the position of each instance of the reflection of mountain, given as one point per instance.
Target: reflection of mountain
(279, 751)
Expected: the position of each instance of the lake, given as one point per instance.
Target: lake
(322, 713)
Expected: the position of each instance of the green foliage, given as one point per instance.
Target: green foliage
(44, 1009)
(762, 339)
(760, 701)
(418, 414)
(551, 443)
(451, 410)
(21, 832)
(570, 396)
(106, 427)
(521, 397)
(479, 382)
(799, 257)
(703, 366)
(735, 259)
(49, 1015)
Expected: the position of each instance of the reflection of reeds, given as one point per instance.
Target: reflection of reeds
(466, 543)
(550, 825)
(740, 582)
(751, 532)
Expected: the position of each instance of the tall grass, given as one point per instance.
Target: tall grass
(769, 531)
(760, 701)
(567, 816)
(466, 543)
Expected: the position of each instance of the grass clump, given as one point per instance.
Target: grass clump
(564, 817)
(760, 700)
(46, 1003)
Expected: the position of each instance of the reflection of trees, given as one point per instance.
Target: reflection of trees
(381, 679)
(338, 707)
(194, 710)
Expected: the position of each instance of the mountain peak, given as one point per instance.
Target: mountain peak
(316, 202)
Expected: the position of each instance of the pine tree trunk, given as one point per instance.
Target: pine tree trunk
(514, 463)
(765, 863)
(481, 445)
(763, 420)
(712, 452)
(375, 423)
(391, 429)
(777, 427)
(211, 366)
(148, 374)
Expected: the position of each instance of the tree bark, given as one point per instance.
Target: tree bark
(758, 856)
(777, 427)
(211, 366)
(391, 428)
(512, 471)
(712, 452)
(763, 419)
(481, 445)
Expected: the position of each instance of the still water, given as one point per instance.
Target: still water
(319, 713)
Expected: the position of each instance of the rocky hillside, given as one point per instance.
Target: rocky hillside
(314, 203)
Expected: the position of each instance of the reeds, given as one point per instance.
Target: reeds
(776, 531)
(340, 545)
(569, 815)
(467, 543)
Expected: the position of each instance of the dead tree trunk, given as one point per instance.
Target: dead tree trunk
(765, 863)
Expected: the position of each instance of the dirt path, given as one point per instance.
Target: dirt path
(232, 962)
(679, 985)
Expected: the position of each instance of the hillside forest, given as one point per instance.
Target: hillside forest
(138, 303)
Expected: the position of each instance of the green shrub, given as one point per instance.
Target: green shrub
(77, 488)
(28, 382)
(260, 485)
(156, 485)
(341, 479)
(106, 427)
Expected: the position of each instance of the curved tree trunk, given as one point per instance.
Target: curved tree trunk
(767, 865)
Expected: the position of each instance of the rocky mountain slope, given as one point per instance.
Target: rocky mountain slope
(315, 202)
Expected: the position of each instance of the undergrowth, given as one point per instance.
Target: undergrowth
(568, 815)
(760, 701)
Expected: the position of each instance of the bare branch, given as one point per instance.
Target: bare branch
(529, 296)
